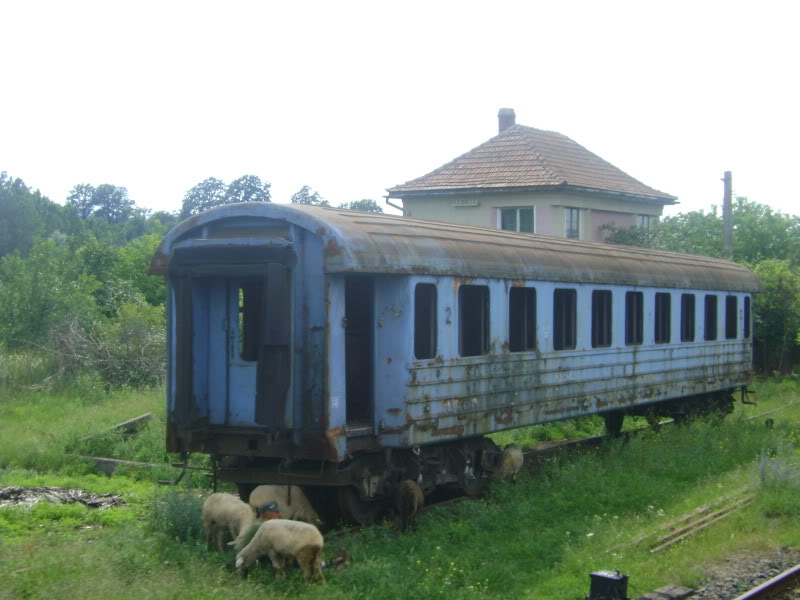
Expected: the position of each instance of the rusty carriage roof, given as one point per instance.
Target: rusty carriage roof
(361, 242)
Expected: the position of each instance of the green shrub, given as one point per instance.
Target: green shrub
(177, 514)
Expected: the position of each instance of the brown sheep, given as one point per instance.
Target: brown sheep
(409, 500)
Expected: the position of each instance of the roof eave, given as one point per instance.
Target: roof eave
(402, 194)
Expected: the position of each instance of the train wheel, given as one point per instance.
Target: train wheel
(356, 510)
(613, 421)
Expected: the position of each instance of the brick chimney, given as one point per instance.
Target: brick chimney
(505, 119)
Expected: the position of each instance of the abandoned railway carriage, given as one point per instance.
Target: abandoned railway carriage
(347, 351)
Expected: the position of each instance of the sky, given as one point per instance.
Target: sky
(351, 98)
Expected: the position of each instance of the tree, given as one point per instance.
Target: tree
(106, 201)
(213, 192)
(365, 205)
(777, 314)
(308, 196)
(248, 188)
(206, 194)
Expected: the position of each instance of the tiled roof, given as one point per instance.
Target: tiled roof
(524, 157)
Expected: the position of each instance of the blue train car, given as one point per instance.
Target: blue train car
(346, 351)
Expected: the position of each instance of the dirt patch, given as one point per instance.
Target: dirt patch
(16, 495)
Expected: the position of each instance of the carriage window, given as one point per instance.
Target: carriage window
(473, 320)
(601, 318)
(634, 305)
(710, 325)
(250, 302)
(731, 308)
(746, 318)
(687, 317)
(521, 319)
(565, 317)
(663, 304)
(425, 320)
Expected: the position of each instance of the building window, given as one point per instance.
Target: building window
(710, 325)
(747, 318)
(425, 321)
(634, 305)
(517, 219)
(521, 319)
(645, 220)
(731, 316)
(572, 218)
(687, 317)
(662, 321)
(565, 316)
(473, 320)
(601, 318)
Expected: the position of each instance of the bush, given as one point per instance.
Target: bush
(177, 514)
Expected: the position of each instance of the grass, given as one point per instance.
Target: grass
(540, 539)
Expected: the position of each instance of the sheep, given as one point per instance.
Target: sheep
(226, 511)
(510, 463)
(298, 509)
(280, 539)
(409, 500)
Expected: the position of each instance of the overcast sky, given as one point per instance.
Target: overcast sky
(351, 98)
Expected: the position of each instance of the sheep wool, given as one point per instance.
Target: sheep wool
(226, 512)
(280, 539)
(299, 509)
(510, 463)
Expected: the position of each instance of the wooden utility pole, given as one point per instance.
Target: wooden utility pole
(727, 217)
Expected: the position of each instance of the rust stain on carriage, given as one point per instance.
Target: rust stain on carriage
(456, 430)
(505, 416)
(332, 248)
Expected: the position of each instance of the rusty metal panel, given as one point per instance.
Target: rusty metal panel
(358, 242)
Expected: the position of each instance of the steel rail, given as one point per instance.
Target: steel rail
(789, 579)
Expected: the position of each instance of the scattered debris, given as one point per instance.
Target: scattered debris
(128, 427)
(669, 592)
(16, 495)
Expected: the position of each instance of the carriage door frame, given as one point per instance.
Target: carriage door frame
(359, 311)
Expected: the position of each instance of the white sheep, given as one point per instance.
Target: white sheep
(226, 511)
(280, 539)
(299, 508)
(510, 463)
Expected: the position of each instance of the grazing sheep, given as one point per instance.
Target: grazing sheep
(409, 500)
(299, 509)
(226, 511)
(280, 539)
(510, 463)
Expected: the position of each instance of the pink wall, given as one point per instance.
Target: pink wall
(604, 217)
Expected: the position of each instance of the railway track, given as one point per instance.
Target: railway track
(784, 586)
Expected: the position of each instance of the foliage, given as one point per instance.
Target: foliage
(133, 262)
(105, 201)
(777, 312)
(365, 205)
(26, 214)
(129, 350)
(213, 192)
(305, 195)
(176, 513)
(43, 290)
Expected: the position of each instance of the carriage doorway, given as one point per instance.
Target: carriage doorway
(359, 299)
